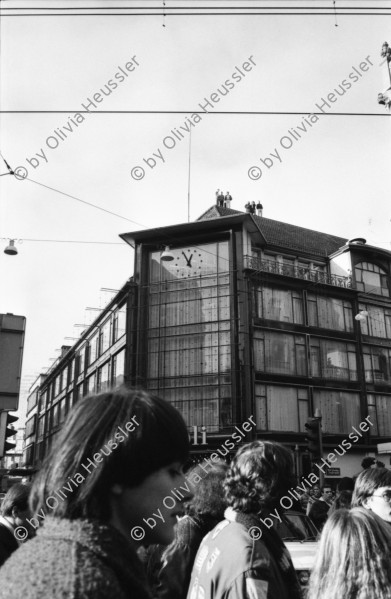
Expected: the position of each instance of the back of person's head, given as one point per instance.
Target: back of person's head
(367, 462)
(367, 482)
(353, 560)
(343, 500)
(259, 475)
(16, 497)
(208, 496)
(345, 484)
(117, 437)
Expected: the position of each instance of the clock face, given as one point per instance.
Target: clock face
(189, 261)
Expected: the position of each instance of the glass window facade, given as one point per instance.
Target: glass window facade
(340, 410)
(119, 323)
(103, 377)
(62, 410)
(371, 279)
(329, 313)
(378, 321)
(377, 364)
(93, 348)
(281, 408)
(81, 360)
(188, 336)
(333, 359)
(379, 410)
(104, 337)
(71, 371)
(118, 368)
(55, 414)
(280, 353)
(279, 304)
(91, 381)
(30, 426)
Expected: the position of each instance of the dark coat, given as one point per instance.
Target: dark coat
(8, 543)
(319, 513)
(178, 559)
(74, 559)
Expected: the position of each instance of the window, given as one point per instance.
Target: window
(71, 371)
(333, 359)
(379, 410)
(378, 321)
(280, 353)
(377, 364)
(119, 324)
(29, 455)
(47, 422)
(81, 360)
(56, 386)
(32, 400)
(118, 368)
(279, 304)
(104, 337)
(63, 379)
(287, 267)
(329, 313)
(30, 426)
(91, 383)
(371, 279)
(281, 408)
(93, 348)
(62, 410)
(104, 377)
(41, 425)
(55, 415)
(41, 401)
(203, 405)
(69, 402)
(340, 410)
(204, 351)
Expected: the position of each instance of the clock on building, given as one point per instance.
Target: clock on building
(190, 261)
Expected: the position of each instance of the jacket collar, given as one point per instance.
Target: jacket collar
(105, 541)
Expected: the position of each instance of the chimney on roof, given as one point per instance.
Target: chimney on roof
(259, 209)
(64, 350)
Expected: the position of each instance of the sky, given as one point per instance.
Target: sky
(331, 174)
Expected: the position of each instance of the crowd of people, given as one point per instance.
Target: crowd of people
(113, 513)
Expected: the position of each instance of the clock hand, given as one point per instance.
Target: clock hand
(188, 259)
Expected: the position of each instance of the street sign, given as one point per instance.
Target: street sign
(11, 350)
(333, 471)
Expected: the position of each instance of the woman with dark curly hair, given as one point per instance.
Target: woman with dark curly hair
(243, 556)
(353, 560)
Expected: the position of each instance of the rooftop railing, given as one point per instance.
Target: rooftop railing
(298, 272)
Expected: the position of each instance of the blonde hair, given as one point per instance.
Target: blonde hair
(353, 559)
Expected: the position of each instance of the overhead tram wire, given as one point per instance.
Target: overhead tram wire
(167, 240)
(67, 241)
(200, 11)
(84, 201)
(215, 112)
